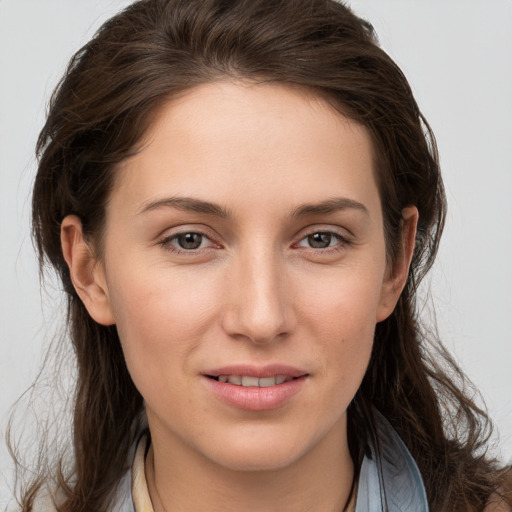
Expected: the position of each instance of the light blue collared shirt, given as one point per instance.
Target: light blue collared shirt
(390, 480)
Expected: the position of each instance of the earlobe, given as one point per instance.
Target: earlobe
(396, 277)
(87, 273)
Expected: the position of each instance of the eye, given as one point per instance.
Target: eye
(322, 240)
(188, 241)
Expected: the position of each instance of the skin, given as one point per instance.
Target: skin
(256, 291)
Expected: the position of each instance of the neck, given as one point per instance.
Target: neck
(180, 479)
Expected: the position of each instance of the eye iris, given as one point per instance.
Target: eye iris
(189, 240)
(320, 240)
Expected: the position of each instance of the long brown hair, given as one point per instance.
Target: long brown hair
(99, 113)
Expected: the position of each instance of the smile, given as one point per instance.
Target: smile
(251, 388)
(251, 381)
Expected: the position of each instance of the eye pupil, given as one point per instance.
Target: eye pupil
(190, 240)
(320, 240)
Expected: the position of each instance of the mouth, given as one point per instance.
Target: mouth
(249, 381)
(255, 388)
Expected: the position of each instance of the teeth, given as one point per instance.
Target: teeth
(250, 382)
(235, 379)
(254, 382)
(267, 381)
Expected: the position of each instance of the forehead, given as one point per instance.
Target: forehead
(265, 108)
(224, 141)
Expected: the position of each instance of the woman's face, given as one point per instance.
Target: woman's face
(245, 268)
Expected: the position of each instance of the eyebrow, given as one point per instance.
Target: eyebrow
(190, 204)
(186, 204)
(328, 207)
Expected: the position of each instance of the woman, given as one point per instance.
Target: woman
(241, 199)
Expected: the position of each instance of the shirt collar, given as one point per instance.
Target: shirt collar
(389, 480)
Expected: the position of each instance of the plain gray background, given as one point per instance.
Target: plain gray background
(457, 56)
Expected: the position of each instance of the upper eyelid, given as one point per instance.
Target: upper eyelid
(173, 236)
(343, 240)
(334, 230)
(169, 239)
(174, 231)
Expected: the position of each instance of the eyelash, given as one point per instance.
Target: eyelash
(342, 242)
(167, 243)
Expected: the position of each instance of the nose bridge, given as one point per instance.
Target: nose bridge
(258, 306)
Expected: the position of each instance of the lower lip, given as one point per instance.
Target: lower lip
(255, 398)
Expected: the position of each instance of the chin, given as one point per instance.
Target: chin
(257, 460)
(262, 451)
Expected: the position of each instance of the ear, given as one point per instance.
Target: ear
(87, 273)
(398, 271)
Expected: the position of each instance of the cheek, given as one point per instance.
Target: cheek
(159, 301)
(340, 313)
(161, 319)
(344, 301)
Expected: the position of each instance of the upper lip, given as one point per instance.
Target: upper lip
(257, 371)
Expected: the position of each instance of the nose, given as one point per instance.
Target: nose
(258, 305)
